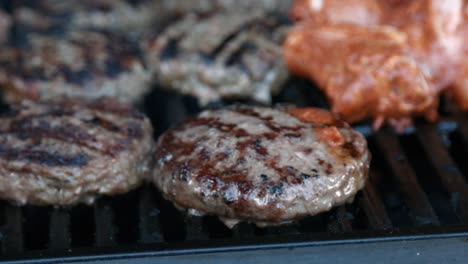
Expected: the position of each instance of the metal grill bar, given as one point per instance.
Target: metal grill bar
(13, 243)
(340, 222)
(449, 174)
(59, 230)
(290, 229)
(421, 211)
(150, 226)
(243, 230)
(104, 220)
(372, 204)
(195, 229)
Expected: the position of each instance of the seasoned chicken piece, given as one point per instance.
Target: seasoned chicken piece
(430, 26)
(429, 33)
(362, 78)
(459, 89)
(359, 12)
(432, 29)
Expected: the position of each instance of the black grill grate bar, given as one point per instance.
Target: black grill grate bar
(287, 229)
(243, 230)
(339, 221)
(195, 229)
(373, 206)
(59, 232)
(445, 168)
(150, 226)
(104, 221)
(13, 240)
(421, 211)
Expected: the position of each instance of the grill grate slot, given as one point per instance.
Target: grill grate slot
(243, 231)
(314, 224)
(172, 222)
(82, 226)
(289, 229)
(195, 228)
(215, 228)
(421, 211)
(371, 203)
(458, 147)
(340, 221)
(125, 209)
(428, 179)
(149, 213)
(104, 221)
(445, 168)
(13, 238)
(60, 230)
(36, 226)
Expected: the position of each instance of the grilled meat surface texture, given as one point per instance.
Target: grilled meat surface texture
(207, 6)
(430, 34)
(262, 165)
(76, 64)
(459, 89)
(221, 55)
(132, 16)
(67, 152)
(362, 78)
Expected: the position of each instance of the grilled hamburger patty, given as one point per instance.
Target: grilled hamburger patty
(262, 165)
(66, 152)
(220, 55)
(77, 64)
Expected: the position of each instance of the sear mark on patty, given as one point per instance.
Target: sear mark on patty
(43, 157)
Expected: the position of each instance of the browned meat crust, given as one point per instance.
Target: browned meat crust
(221, 55)
(76, 64)
(262, 165)
(67, 152)
(117, 15)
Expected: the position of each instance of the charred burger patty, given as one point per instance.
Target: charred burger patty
(261, 165)
(65, 152)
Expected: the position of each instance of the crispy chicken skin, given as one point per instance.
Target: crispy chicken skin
(429, 38)
(349, 67)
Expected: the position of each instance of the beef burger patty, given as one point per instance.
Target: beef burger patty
(221, 55)
(66, 152)
(262, 165)
(77, 64)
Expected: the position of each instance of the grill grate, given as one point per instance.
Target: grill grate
(417, 186)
